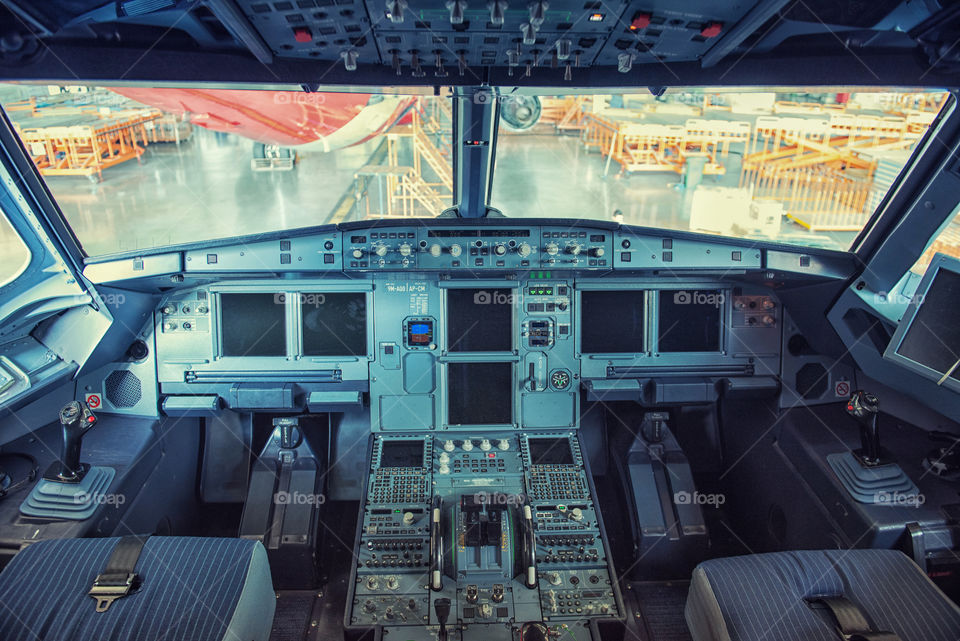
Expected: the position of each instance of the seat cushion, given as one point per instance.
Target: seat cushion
(762, 597)
(193, 589)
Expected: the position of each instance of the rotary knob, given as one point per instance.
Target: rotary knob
(554, 578)
(573, 249)
(485, 445)
(448, 446)
(499, 250)
(370, 606)
(455, 250)
(504, 444)
(170, 326)
(408, 518)
(381, 250)
(597, 252)
(467, 445)
(443, 458)
(405, 249)
(169, 309)
(357, 253)
(436, 250)
(552, 249)
(444, 468)
(392, 583)
(768, 320)
(576, 514)
(523, 249)
(767, 304)
(373, 583)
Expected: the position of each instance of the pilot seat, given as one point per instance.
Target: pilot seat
(138, 588)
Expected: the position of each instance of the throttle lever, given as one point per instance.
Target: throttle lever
(436, 544)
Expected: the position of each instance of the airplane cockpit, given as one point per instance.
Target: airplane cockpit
(352, 320)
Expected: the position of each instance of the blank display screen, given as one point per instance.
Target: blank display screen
(690, 320)
(611, 322)
(480, 320)
(334, 324)
(933, 338)
(480, 393)
(401, 454)
(253, 324)
(550, 451)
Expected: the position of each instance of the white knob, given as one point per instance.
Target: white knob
(598, 251)
(485, 445)
(455, 250)
(382, 250)
(405, 249)
(576, 514)
(552, 249)
(444, 469)
(358, 253)
(573, 249)
(448, 446)
(768, 320)
(392, 583)
(554, 578)
(436, 250)
(170, 326)
(168, 309)
(444, 457)
(767, 304)
(373, 583)
(499, 250)
(408, 518)
(467, 445)
(523, 249)
(504, 444)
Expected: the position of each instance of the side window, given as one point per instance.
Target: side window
(946, 242)
(14, 254)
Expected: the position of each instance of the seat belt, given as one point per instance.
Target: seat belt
(119, 579)
(850, 620)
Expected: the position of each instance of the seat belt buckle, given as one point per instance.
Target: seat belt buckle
(108, 589)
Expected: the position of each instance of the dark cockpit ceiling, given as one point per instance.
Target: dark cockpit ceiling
(555, 43)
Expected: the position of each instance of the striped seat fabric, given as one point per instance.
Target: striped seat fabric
(764, 597)
(193, 589)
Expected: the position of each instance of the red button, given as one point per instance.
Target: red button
(640, 21)
(302, 34)
(712, 30)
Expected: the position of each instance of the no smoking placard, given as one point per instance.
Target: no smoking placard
(93, 401)
(841, 389)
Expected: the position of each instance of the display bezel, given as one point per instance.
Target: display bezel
(892, 353)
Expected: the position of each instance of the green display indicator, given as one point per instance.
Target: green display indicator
(540, 291)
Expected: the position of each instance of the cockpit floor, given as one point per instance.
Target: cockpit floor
(661, 606)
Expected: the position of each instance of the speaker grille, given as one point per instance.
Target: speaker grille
(812, 381)
(122, 388)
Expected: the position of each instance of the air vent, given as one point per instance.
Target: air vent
(122, 388)
(141, 7)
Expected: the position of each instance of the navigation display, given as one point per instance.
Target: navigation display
(401, 454)
(253, 325)
(480, 320)
(611, 322)
(550, 451)
(334, 324)
(933, 338)
(480, 393)
(690, 320)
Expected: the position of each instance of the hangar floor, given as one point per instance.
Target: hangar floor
(205, 188)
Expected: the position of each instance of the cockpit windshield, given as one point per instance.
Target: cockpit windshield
(141, 167)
